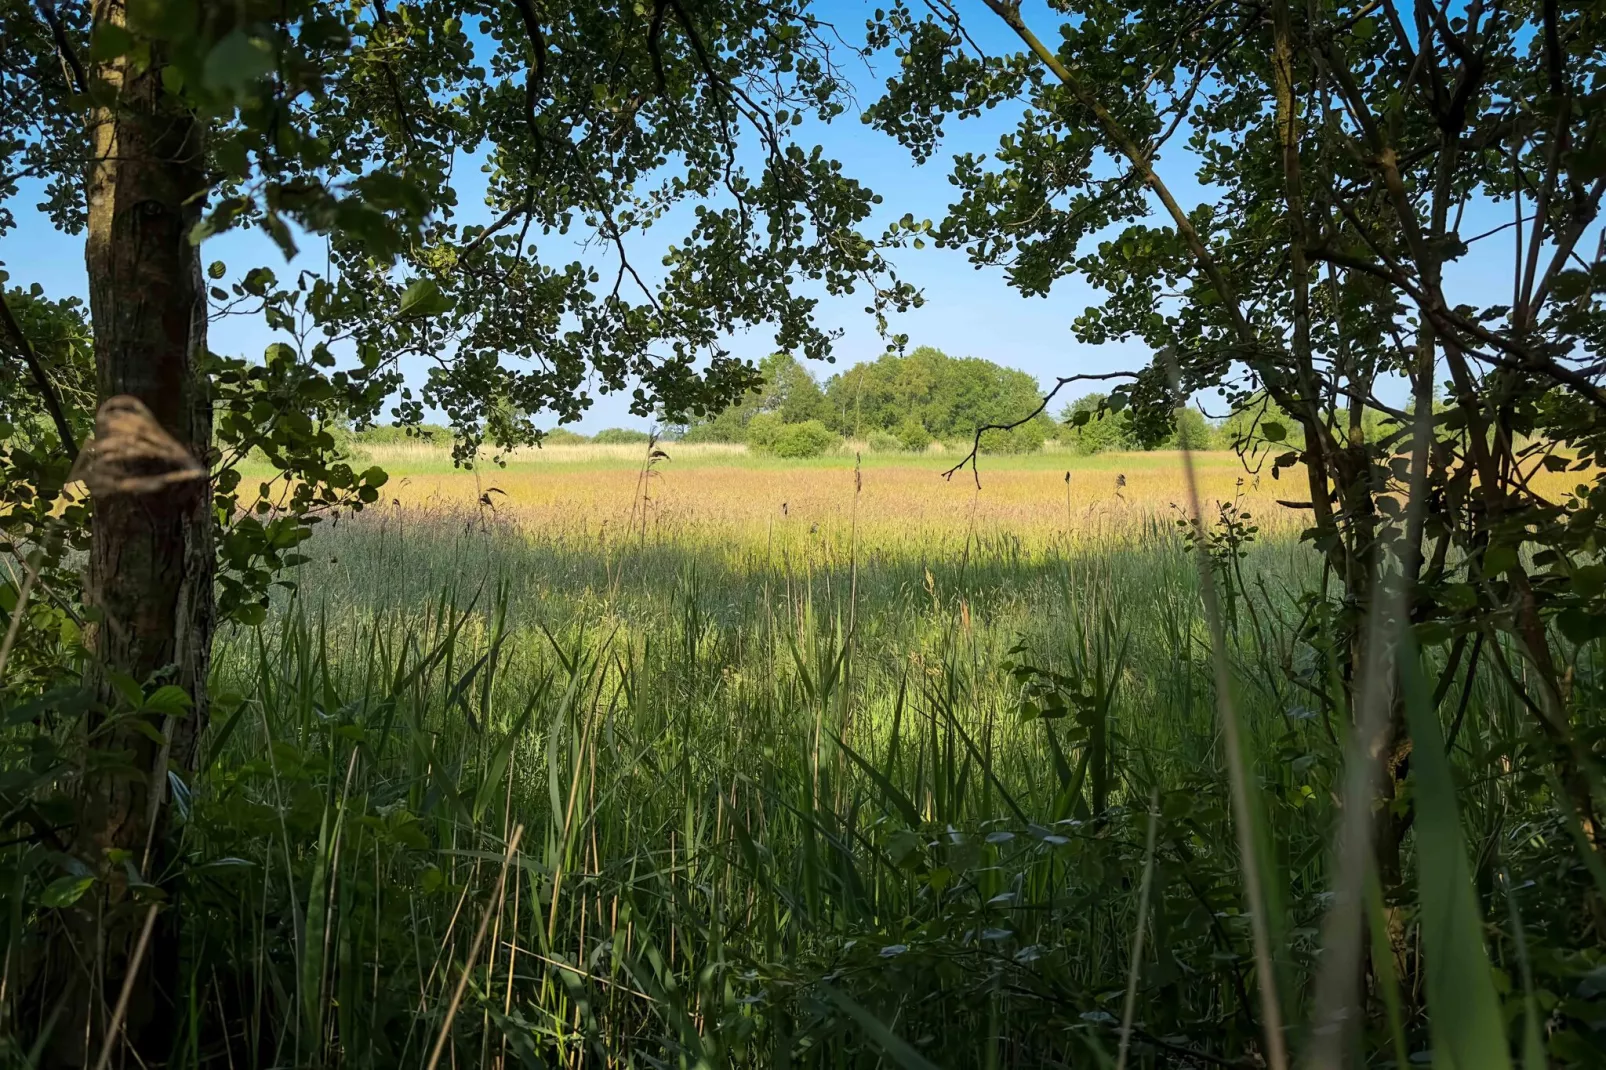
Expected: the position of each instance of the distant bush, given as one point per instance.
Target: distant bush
(762, 430)
(807, 439)
(913, 434)
(562, 436)
(1089, 426)
(619, 436)
(882, 442)
(1193, 431)
(926, 393)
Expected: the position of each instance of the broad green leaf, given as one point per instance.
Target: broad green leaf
(110, 41)
(127, 688)
(236, 61)
(423, 297)
(1496, 559)
(169, 699)
(65, 891)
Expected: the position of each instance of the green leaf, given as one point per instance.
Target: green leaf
(1434, 632)
(128, 688)
(237, 61)
(1589, 580)
(251, 615)
(171, 20)
(148, 730)
(65, 891)
(170, 700)
(1274, 431)
(1496, 559)
(1580, 625)
(1590, 162)
(424, 298)
(110, 41)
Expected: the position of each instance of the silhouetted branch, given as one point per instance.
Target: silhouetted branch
(41, 378)
(1059, 384)
(58, 33)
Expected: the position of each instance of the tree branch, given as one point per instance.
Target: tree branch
(507, 217)
(1129, 148)
(58, 33)
(1059, 384)
(1518, 357)
(47, 389)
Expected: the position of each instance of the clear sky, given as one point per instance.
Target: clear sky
(967, 312)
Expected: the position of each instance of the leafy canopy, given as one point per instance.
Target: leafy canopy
(535, 202)
(946, 397)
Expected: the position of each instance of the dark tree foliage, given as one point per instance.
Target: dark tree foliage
(1342, 152)
(605, 133)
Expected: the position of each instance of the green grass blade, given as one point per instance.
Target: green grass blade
(891, 1044)
(1463, 1007)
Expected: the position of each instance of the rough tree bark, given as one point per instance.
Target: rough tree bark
(151, 566)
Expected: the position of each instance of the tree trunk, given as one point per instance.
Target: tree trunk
(152, 561)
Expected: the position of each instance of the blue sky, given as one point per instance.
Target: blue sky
(967, 312)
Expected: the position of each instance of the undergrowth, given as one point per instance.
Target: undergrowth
(469, 799)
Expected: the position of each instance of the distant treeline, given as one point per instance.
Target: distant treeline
(908, 402)
(437, 434)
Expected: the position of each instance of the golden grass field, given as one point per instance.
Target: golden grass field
(724, 493)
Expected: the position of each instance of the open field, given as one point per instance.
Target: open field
(863, 782)
(723, 493)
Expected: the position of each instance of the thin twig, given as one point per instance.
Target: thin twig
(121, 1010)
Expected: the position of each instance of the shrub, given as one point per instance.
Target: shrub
(562, 436)
(1090, 426)
(913, 434)
(807, 439)
(762, 430)
(619, 436)
(390, 434)
(883, 442)
(720, 430)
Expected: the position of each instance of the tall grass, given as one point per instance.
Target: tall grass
(751, 835)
